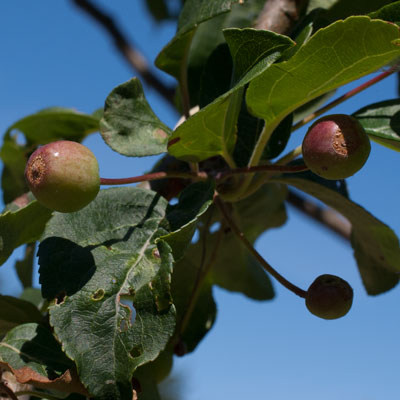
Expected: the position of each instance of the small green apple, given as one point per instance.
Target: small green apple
(63, 175)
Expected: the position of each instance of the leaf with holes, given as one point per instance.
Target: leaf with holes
(110, 281)
(129, 125)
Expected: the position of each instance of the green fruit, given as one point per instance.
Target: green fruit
(336, 147)
(329, 297)
(63, 176)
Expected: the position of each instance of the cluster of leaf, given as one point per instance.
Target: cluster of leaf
(124, 284)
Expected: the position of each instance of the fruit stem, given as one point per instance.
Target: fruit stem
(231, 223)
(200, 175)
(155, 176)
(346, 96)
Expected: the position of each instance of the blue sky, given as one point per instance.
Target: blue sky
(52, 55)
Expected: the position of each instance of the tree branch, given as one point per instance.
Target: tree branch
(240, 235)
(132, 55)
(279, 15)
(325, 216)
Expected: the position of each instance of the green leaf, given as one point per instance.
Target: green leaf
(157, 9)
(33, 295)
(173, 57)
(382, 122)
(209, 36)
(234, 268)
(376, 247)
(237, 271)
(334, 56)
(56, 123)
(204, 311)
(390, 12)
(14, 160)
(21, 226)
(111, 281)
(209, 132)
(15, 312)
(249, 47)
(193, 203)
(340, 9)
(216, 75)
(129, 125)
(212, 130)
(35, 357)
(262, 210)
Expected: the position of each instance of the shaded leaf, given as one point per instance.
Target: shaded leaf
(15, 312)
(340, 9)
(217, 75)
(209, 36)
(21, 226)
(129, 125)
(249, 47)
(390, 12)
(24, 267)
(157, 9)
(14, 160)
(33, 355)
(334, 56)
(173, 57)
(193, 203)
(376, 247)
(204, 311)
(212, 130)
(113, 310)
(382, 122)
(262, 210)
(33, 295)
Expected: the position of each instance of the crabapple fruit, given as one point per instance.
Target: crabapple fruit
(336, 146)
(329, 297)
(63, 175)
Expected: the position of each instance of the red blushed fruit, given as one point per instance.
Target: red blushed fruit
(63, 176)
(329, 297)
(336, 147)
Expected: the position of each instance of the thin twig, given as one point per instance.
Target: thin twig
(231, 223)
(154, 176)
(327, 217)
(263, 168)
(346, 96)
(129, 52)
